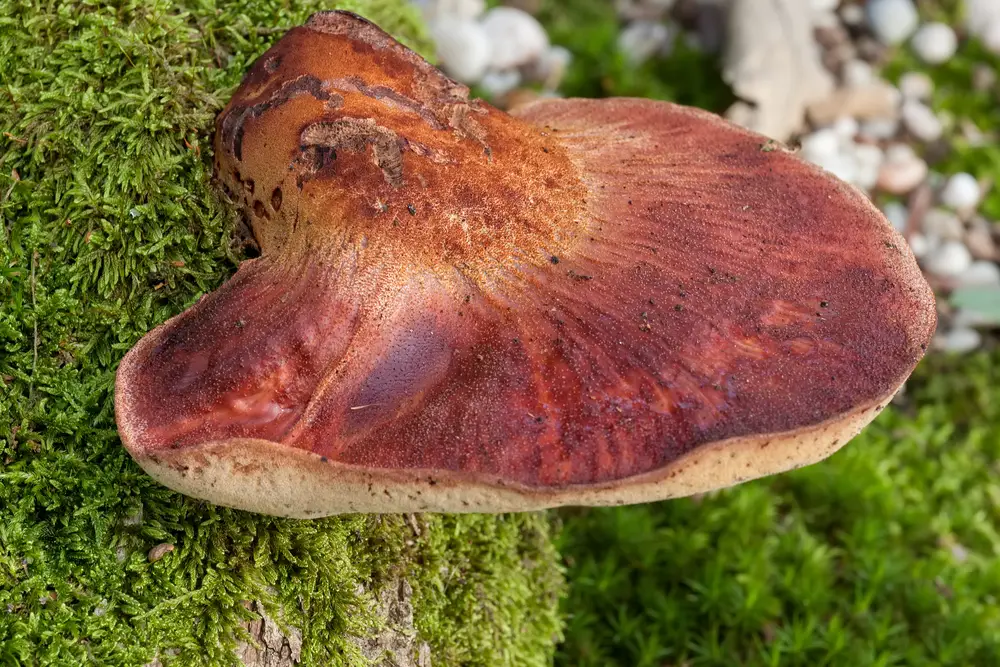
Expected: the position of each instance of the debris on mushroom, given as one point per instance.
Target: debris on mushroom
(458, 309)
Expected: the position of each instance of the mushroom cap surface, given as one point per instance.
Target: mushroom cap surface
(459, 309)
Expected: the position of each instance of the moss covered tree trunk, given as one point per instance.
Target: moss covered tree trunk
(110, 224)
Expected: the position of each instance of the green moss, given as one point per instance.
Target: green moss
(883, 555)
(590, 28)
(108, 226)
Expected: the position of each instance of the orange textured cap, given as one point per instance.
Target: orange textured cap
(459, 309)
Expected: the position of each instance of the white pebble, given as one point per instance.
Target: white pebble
(920, 245)
(841, 166)
(916, 86)
(641, 40)
(897, 214)
(892, 21)
(857, 73)
(852, 15)
(846, 127)
(959, 341)
(920, 121)
(942, 224)
(961, 192)
(990, 36)
(496, 84)
(517, 37)
(980, 273)
(821, 145)
(463, 47)
(902, 170)
(459, 9)
(949, 259)
(550, 68)
(935, 43)
(868, 161)
(879, 129)
(980, 14)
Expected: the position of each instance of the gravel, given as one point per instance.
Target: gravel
(935, 43)
(892, 21)
(961, 192)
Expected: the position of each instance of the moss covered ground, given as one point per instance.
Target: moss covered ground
(109, 224)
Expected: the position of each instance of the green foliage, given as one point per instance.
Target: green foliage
(883, 555)
(589, 29)
(109, 225)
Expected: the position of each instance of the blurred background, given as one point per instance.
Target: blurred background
(886, 554)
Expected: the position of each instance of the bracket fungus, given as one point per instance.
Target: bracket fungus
(460, 309)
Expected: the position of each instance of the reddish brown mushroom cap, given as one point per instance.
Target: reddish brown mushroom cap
(457, 309)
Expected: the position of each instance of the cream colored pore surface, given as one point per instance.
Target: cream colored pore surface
(268, 478)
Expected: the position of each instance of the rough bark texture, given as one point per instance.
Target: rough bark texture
(272, 646)
(394, 644)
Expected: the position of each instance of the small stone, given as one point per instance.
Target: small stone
(920, 245)
(979, 239)
(961, 192)
(841, 166)
(934, 43)
(641, 40)
(460, 9)
(868, 161)
(959, 341)
(872, 50)
(980, 273)
(517, 37)
(852, 15)
(821, 145)
(496, 84)
(990, 36)
(942, 224)
(835, 58)
(950, 259)
(892, 21)
(824, 148)
(916, 86)
(920, 121)
(857, 73)
(831, 36)
(901, 171)
(846, 127)
(980, 15)
(463, 47)
(984, 77)
(159, 551)
(897, 214)
(551, 67)
(879, 129)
